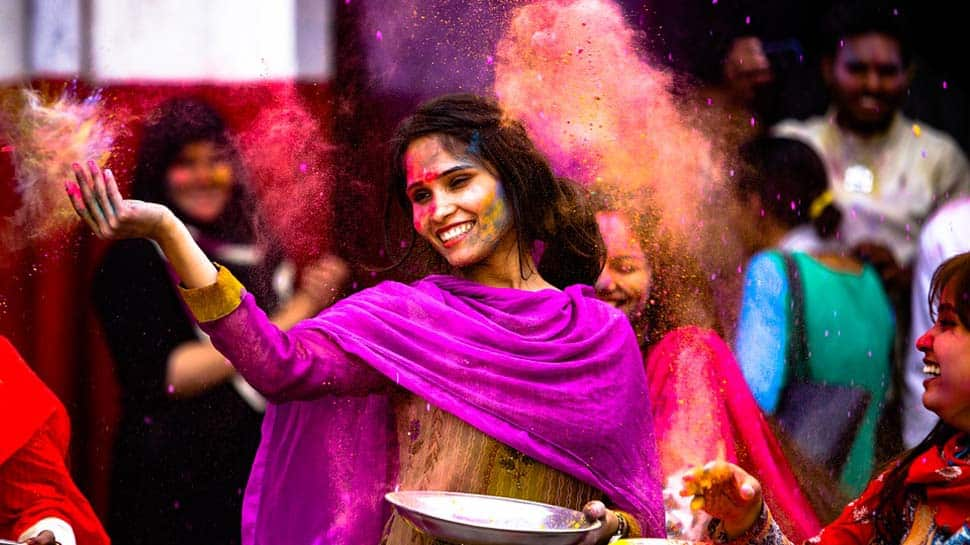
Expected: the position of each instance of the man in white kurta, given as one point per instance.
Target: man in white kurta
(887, 172)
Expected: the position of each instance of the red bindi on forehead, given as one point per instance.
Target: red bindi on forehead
(419, 160)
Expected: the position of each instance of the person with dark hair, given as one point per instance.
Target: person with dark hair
(737, 101)
(39, 502)
(702, 407)
(848, 321)
(190, 425)
(502, 381)
(888, 172)
(921, 497)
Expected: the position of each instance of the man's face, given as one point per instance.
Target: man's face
(747, 70)
(868, 81)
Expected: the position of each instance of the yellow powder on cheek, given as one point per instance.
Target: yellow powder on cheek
(495, 216)
(222, 174)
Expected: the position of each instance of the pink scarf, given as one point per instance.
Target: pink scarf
(701, 401)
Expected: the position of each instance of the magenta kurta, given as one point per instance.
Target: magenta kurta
(554, 374)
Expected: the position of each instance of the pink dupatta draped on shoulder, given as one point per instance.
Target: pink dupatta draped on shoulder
(700, 400)
(557, 375)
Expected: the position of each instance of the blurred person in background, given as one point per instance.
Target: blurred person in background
(886, 171)
(702, 407)
(848, 321)
(190, 425)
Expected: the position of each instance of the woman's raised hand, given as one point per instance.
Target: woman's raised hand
(95, 197)
(726, 492)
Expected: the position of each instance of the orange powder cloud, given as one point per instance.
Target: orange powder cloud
(44, 137)
(570, 70)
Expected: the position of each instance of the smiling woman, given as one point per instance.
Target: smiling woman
(516, 385)
(924, 495)
(462, 140)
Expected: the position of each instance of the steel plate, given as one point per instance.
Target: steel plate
(473, 519)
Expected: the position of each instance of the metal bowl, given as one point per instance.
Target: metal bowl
(473, 519)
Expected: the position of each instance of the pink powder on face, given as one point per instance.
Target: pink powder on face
(179, 176)
(421, 213)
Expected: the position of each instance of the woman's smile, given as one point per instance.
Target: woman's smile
(453, 234)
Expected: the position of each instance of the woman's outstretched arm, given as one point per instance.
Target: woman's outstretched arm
(281, 366)
(96, 198)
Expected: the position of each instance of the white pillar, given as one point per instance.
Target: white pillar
(216, 40)
(55, 38)
(13, 55)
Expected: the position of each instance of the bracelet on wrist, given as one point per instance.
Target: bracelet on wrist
(622, 527)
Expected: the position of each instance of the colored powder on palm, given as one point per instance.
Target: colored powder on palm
(286, 150)
(603, 115)
(43, 138)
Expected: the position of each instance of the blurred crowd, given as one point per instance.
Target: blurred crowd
(841, 220)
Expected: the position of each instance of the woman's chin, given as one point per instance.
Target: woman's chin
(931, 403)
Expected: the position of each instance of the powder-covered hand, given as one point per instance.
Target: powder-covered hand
(323, 280)
(726, 492)
(95, 197)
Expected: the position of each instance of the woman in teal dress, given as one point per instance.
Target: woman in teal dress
(848, 319)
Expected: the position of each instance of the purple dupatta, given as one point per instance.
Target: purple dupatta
(554, 374)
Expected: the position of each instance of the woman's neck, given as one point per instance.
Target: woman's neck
(507, 268)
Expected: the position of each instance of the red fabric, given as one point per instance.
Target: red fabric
(34, 436)
(947, 491)
(854, 526)
(703, 408)
(946, 479)
(25, 403)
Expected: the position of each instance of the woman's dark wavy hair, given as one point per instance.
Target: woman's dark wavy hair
(173, 125)
(890, 527)
(544, 207)
(787, 175)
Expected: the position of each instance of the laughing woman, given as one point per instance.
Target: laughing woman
(504, 377)
(924, 496)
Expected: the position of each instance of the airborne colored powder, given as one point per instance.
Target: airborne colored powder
(430, 47)
(287, 152)
(571, 72)
(44, 138)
